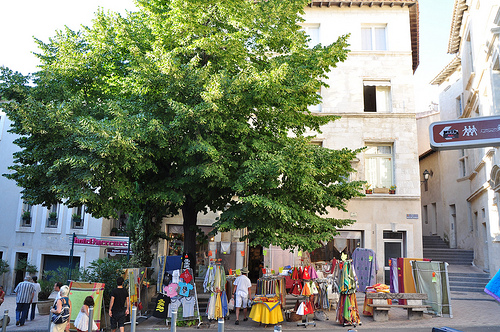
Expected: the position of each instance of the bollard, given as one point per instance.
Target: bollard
(221, 325)
(5, 319)
(173, 321)
(91, 318)
(133, 319)
(50, 321)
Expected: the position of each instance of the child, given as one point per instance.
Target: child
(82, 320)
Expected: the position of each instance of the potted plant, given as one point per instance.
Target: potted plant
(392, 189)
(26, 215)
(52, 219)
(44, 303)
(368, 189)
(23, 266)
(76, 217)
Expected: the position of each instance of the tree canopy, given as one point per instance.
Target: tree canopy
(185, 106)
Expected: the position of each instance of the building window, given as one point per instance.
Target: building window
(373, 37)
(379, 165)
(377, 96)
(77, 217)
(26, 215)
(312, 31)
(52, 217)
(425, 215)
(2, 121)
(462, 171)
(459, 107)
(317, 107)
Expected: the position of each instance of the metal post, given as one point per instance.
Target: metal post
(133, 319)
(71, 256)
(5, 318)
(50, 321)
(91, 318)
(173, 321)
(220, 327)
(128, 250)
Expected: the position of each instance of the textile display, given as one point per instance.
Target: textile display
(364, 262)
(377, 288)
(215, 283)
(493, 287)
(393, 275)
(347, 310)
(431, 278)
(179, 296)
(266, 313)
(161, 307)
(78, 291)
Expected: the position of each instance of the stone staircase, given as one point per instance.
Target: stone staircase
(436, 249)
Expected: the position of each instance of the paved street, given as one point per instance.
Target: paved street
(472, 312)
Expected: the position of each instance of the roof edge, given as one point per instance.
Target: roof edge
(446, 71)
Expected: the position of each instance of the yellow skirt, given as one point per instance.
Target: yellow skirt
(266, 313)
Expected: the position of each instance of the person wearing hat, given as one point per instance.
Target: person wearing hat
(25, 291)
(242, 293)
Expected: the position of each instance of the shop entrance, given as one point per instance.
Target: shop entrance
(255, 262)
(20, 274)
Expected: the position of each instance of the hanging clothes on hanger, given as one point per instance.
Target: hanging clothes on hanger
(365, 264)
(347, 311)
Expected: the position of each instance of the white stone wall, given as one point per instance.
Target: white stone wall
(36, 240)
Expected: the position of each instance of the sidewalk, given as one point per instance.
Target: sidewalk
(471, 312)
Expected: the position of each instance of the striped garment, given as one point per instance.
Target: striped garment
(24, 292)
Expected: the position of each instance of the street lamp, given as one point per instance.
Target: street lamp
(426, 175)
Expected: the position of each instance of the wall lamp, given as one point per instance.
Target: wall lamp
(426, 175)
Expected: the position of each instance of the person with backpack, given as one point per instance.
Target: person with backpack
(61, 312)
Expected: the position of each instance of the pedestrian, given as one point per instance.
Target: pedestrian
(24, 295)
(119, 301)
(55, 293)
(82, 320)
(63, 304)
(2, 295)
(241, 294)
(38, 288)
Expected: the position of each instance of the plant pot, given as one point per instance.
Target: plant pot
(44, 306)
(392, 192)
(369, 191)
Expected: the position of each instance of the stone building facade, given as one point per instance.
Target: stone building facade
(373, 93)
(462, 199)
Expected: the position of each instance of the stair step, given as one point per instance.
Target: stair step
(467, 289)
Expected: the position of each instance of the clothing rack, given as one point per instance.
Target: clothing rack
(347, 311)
(215, 283)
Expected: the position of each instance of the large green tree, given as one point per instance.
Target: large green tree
(185, 106)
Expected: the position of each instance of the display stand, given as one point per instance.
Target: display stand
(215, 283)
(347, 311)
(182, 293)
(306, 322)
(267, 306)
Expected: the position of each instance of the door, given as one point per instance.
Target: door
(393, 248)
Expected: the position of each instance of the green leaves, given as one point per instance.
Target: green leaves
(185, 99)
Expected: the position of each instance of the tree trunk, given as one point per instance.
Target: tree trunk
(189, 214)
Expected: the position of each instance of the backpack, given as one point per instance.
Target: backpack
(63, 316)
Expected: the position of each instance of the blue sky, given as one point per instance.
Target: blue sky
(23, 19)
